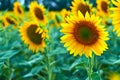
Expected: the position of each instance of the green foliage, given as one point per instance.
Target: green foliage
(17, 62)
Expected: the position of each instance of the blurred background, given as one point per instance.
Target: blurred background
(49, 4)
(54, 5)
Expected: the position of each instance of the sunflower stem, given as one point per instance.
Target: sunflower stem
(49, 69)
(90, 67)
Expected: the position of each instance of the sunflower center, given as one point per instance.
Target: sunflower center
(39, 14)
(33, 36)
(104, 6)
(83, 8)
(10, 21)
(19, 10)
(85, 34)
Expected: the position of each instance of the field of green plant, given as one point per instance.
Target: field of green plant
(80, 43)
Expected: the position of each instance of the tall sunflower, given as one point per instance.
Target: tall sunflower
(38, 12)
(18, 10)
(33, 35)
(8, 20)
(81, 5)
(116, 16)
(84, 35)
(103, 7)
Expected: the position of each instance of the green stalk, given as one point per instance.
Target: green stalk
(48, 60)
(90, 67)
(49, 69)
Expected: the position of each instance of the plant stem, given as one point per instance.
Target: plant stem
(49, 68)
(48, 60)
(90, 67)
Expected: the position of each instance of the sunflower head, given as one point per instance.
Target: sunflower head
(38, 12)
(84, 35)
(116, 16)
(103, 7)
(18, 10)
(33, 35)
(8, 20)
(82, 6)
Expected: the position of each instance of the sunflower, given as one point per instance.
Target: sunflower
(56, 18)
(18, 10)
(103, 7)
(116, 16)
(82, 6)
(33, 35)
(51, 17)
(8, 20)
(38, 12)
(114, 76)
(64, 13)
(84, 35)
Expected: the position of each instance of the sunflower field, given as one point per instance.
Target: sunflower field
(72, 40)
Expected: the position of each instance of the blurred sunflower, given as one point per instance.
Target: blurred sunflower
(84, 35)
(114, 76)
(82, 6)
(18, 10)
(116, 16)
(8, 20)
(33, 35)
(38, 12)
(51, 15)
(56, 18)
(103, 7)
(64, 13)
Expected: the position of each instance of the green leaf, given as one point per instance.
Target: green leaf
(78, 62)
(34, 71)
(32, 61)
(95, 76)
(9, 54)
(57, 51)
(116, 62)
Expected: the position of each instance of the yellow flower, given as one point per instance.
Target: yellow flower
(114, 76)
(8, 20)
(84, 35)
(82, 6)
(38, 12)
(64, 14)
(116, 16)
(18, 10)
(33, 35)
(56, 18)
(51, 15)
(103, 7)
